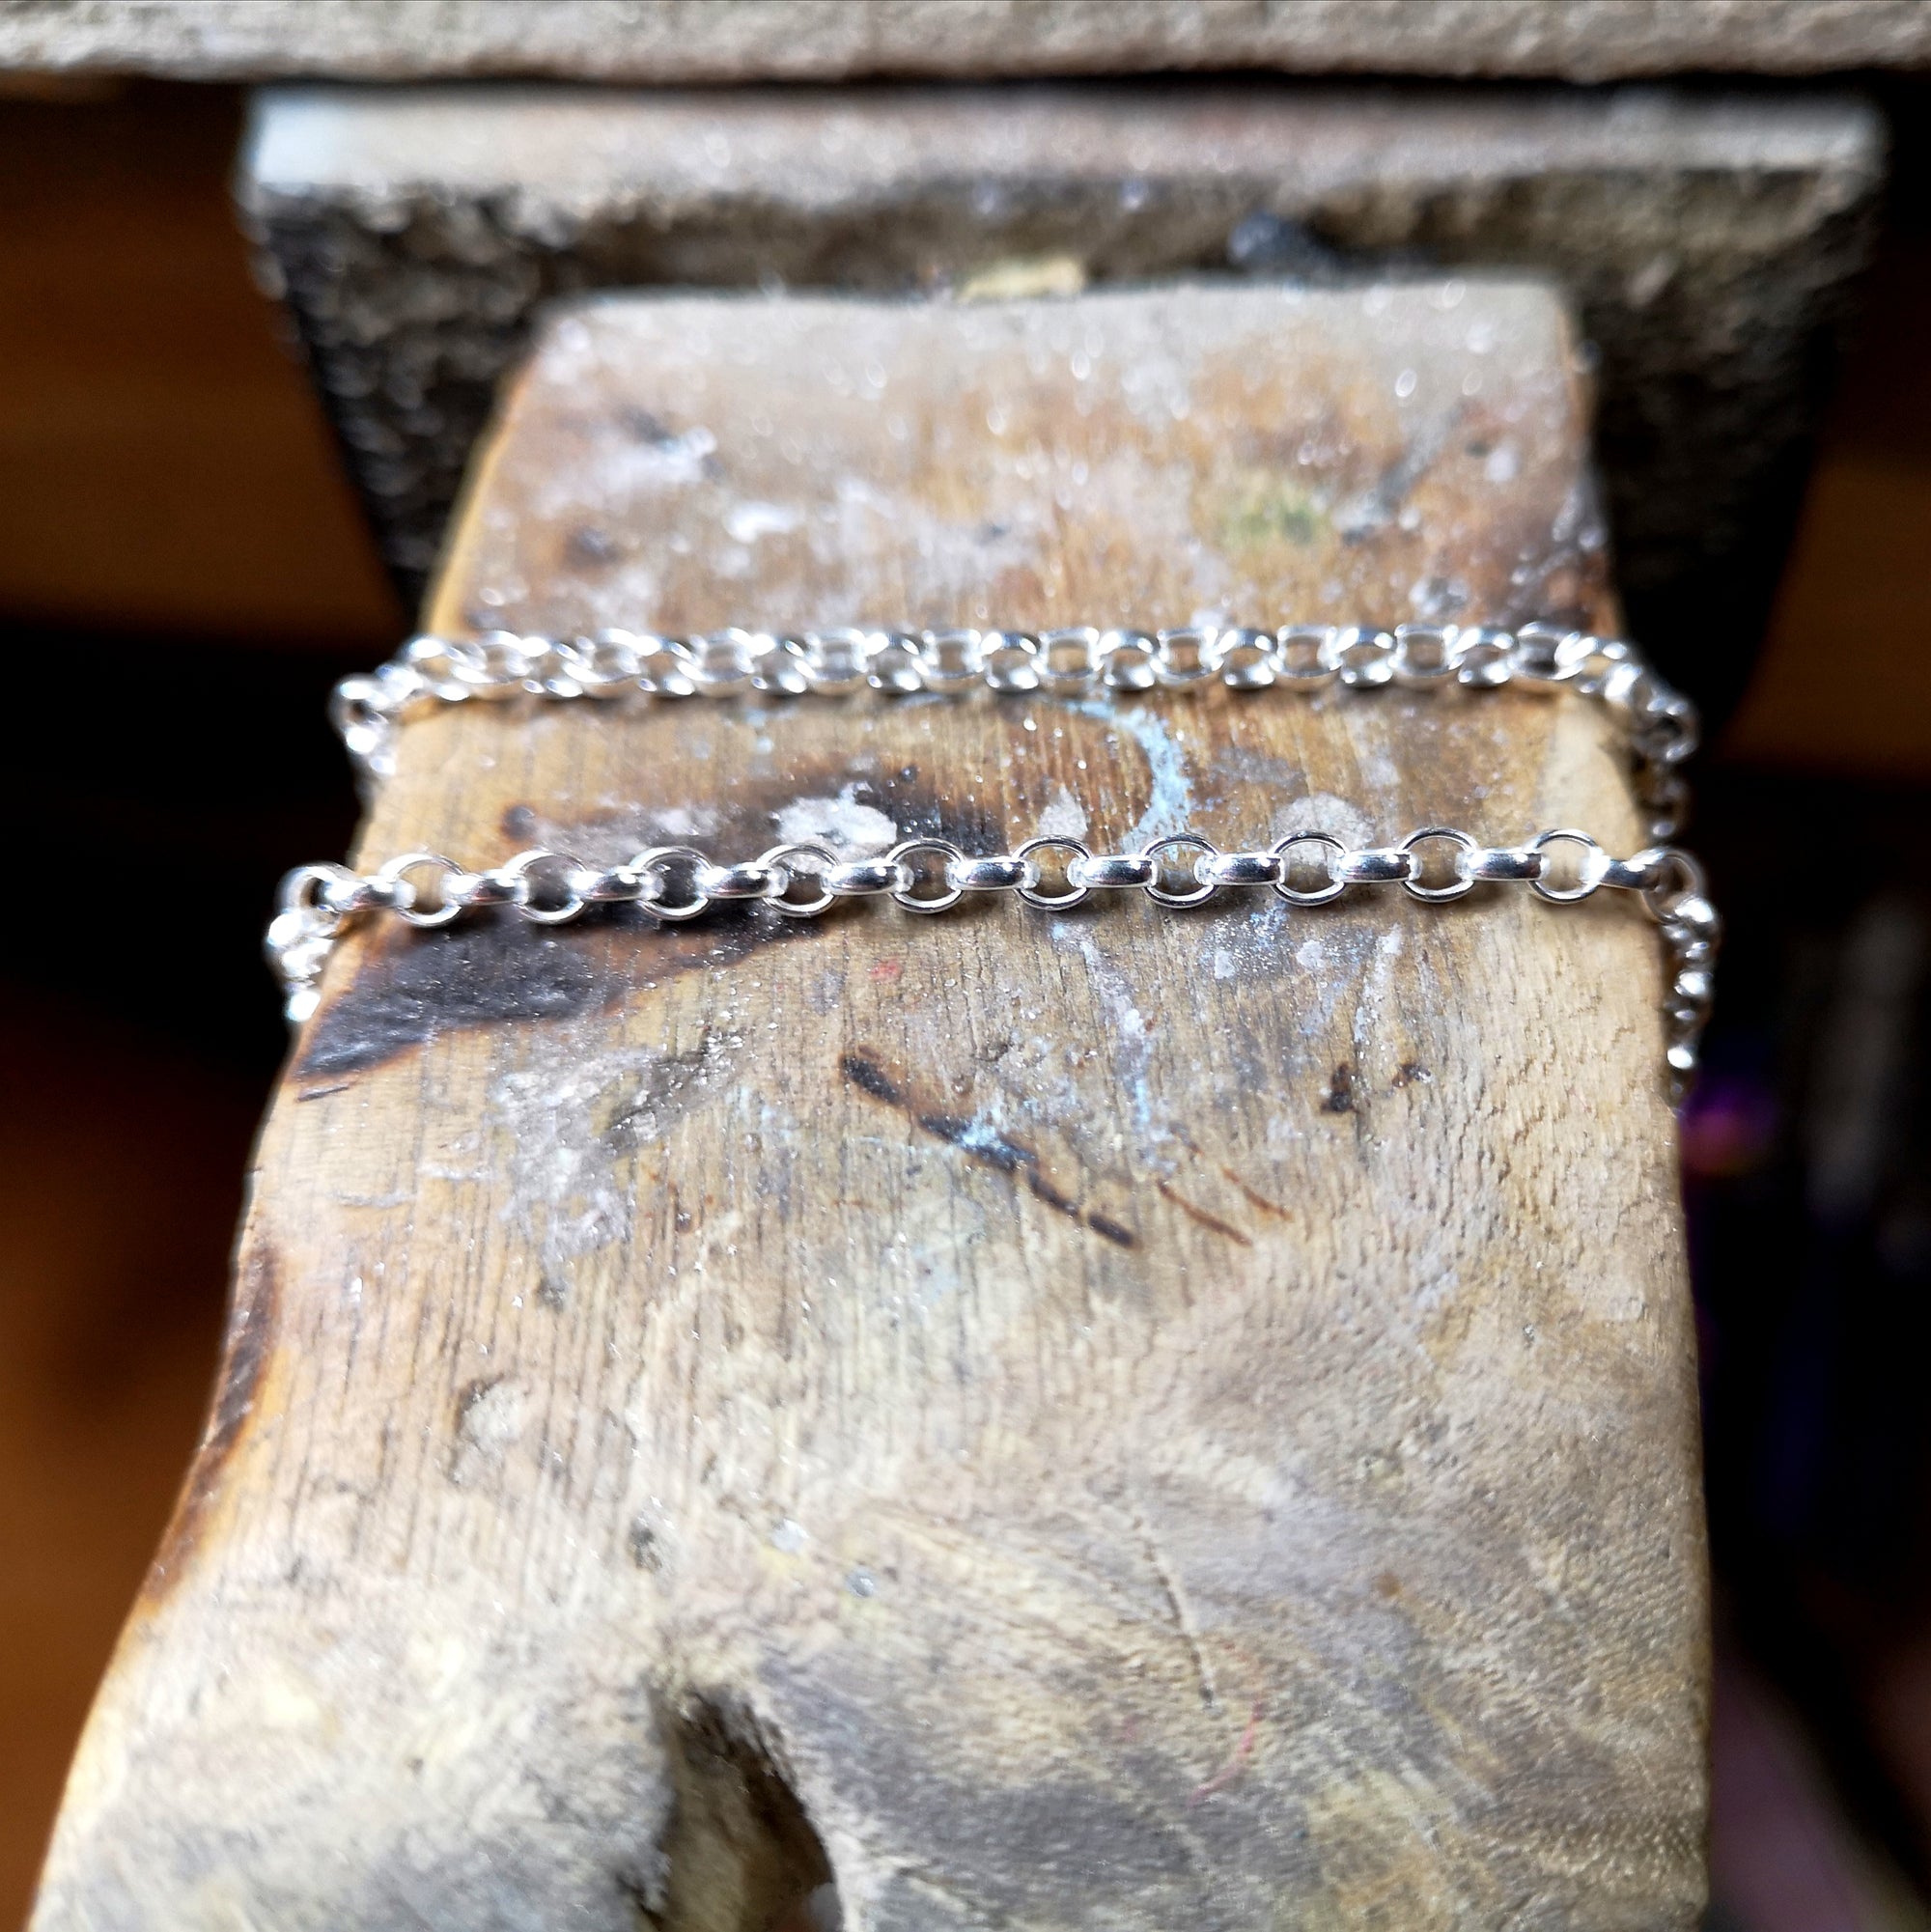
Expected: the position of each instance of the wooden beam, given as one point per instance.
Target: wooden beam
(1710, 242)
(659, 40)
(1124, 1418)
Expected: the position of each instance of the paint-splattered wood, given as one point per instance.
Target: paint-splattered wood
(1127, 1419)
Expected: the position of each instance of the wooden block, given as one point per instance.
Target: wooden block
(1710, 242)
(657, 41)
(1123, 1419)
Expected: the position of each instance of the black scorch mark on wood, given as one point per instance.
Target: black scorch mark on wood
(641, 1540)
(986, 1145)
(417, 985)
(1109, 1229)
(250, 1339)
(411, 986)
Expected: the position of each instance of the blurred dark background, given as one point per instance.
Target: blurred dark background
(182, 574)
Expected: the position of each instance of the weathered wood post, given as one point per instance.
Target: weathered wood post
(1119, 1419)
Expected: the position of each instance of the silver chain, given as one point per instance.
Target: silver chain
(799, 880)
(804, 880)
(1658, 723)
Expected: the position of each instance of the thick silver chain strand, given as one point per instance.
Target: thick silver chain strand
(1658, 723)
(804, 880)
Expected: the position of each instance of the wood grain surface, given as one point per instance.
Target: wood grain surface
(1125, 1419)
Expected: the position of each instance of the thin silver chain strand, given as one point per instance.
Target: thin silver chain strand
(1658, 723)
(804, 880)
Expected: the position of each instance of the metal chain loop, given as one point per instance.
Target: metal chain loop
(1658, 724)
(653, 869)
(406, 900)
(523, 874)
(1113, 871)
(1321, 895)
(1460, 886)
(1193, 895)
(910, 896)
(783, 861)
(1054, 901)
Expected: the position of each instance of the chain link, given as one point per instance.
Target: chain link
(1658, 724)
(319, 902)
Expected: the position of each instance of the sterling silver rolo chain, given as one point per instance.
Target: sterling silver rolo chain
(804, 880)
(1658, 723)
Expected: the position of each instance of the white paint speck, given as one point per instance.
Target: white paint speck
(492, 1420)
(747, 523)
(1064, 817)
(682, 821)
(852, 831)
(1324, 812)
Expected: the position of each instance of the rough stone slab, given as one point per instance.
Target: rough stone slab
(674, 41)
(1122, 1420)
(1708, 244)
